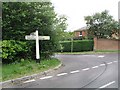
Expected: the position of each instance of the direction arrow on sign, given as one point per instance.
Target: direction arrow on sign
(31, 37)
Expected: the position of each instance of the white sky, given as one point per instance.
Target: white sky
(75, 10)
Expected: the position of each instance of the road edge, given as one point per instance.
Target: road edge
(29, 77)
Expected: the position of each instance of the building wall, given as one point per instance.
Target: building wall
(106, 44)
(84, 33)
(77, 33)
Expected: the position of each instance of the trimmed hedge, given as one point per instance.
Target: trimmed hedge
(78, 45)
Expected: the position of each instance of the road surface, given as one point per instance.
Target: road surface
(80, 71)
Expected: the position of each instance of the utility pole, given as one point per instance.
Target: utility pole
(71, 44)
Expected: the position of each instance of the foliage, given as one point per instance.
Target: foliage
(68, 36)
(12, 50)
(60, 27)
(0, 49)
(22, 18)
(102, 25)
(78, 45)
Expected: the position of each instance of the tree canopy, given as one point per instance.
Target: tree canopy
(102, 25)
(22, 18)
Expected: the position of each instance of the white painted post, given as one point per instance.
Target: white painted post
(119, 11)
(37, 46)
(35, 36)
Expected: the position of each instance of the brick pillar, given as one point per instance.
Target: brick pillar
(95, 43)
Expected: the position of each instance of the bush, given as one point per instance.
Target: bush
(13, 50)
(46, 55)
(78, 45)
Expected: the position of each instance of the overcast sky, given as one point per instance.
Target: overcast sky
(75, 10)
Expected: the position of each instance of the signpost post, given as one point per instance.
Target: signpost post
(119, 11)
(35, 36)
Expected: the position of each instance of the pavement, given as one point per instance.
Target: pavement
(79, 71)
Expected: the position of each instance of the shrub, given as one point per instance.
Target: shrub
(78, 45)
(13, 50)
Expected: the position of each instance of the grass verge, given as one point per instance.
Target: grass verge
(12, 71)
(91, 52)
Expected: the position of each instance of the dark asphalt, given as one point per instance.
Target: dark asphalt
(80, 71)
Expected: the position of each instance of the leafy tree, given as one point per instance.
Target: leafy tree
(68, 35)
(60, 27)
(102, 25)
(22, 18)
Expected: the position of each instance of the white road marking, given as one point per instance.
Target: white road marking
(107, 84)
(76, 71)
(101, 56)
(47, 77)
(61, 74)
(109, 63)
(29, 81)
(102, 65)
(88, 55)
(85, 69)
(115, 61)
(95, 67)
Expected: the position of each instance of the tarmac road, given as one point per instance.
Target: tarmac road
(80, 71)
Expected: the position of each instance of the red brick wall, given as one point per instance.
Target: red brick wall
(84, 33)
(106, 44)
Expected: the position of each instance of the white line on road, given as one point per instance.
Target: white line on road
(95, 67)
(46, 77)
(115, 61)
(61, 74)
(76, 71)
(102, 65)
(29, 81)
(107, 84)
(85, 69)
(101, 56)
(88, 55)
(110, 63)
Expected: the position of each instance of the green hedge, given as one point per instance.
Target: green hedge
(78, 45)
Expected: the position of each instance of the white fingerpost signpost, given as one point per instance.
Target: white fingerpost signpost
(119, 11)
(35, 36)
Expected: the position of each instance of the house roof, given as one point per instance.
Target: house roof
(81, 29)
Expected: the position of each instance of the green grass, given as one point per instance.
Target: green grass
(108, 51)
(0, 48)
(0, 71)
(24, 68)
(91, 52)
